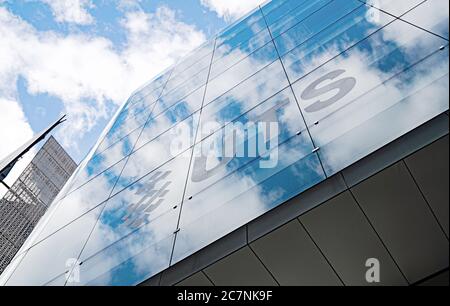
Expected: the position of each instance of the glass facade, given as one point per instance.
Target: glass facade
(301, 88)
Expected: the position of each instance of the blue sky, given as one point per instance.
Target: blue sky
(107, 15)
(85, 57)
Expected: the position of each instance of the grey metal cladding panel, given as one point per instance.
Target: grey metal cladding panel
(404, 222)
(205, 257)
(441, 280)
(397, 150)
(293, 259)
(154, 281)
(429, 168)
(346, 238)
(295, 207)
(198, 280)
(241, 268)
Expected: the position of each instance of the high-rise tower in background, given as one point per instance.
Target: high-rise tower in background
(30, 196)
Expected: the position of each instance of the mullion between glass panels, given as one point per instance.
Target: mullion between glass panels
(338, 55)
(295, 97)
(190, 160)
(246, 79)
(265, 45)
(152, 105)
(419, 62)
(272, 7)
(191, 65)
(316, 34)
(164, 110)
(298, 22)
(166, 131)
(322, 65)
(235, 23)
(389, 13)
(17, 260)
(180, 86)
(131, 233)
(218, 59)
(223, 72)
(418, 26)
(236, 64)
(127, 133)
(191, 54)
(116, 192)
(143, 88)
(129, 105)
(200, 140)
(112, 190)
(287, 13)
(116, 142)
(184, 82)
(252, 160)
(394, 76)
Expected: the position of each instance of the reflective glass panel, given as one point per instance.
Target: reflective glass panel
(246, 194)
(55, 255)
(302, 12)
(204, 51)
(150, 202)
(238, 43)
(185, 80)
(191, 102)
(150, 91)
(159, 151)
(238, 73)
(130, 261)
(104, 160)
(241, 141)
(338, 37)
(165, 118)
(200, 68)
(274, 4)
(275, 10)
(309, 30)
(82, 200)
(140, 106)
(244, 97)
(246, 27)
(58, 281)
(122, 128)
(394, 7)
(185, 90)
(432, 16)
(230, 53)
(376, 91)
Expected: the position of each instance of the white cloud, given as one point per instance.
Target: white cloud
(72, 11)
(129, 4)
(86, 72)
(231, 9)
(14, 132)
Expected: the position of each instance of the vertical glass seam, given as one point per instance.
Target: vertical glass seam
(112, 190)
(177, 228)
(295, 97)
